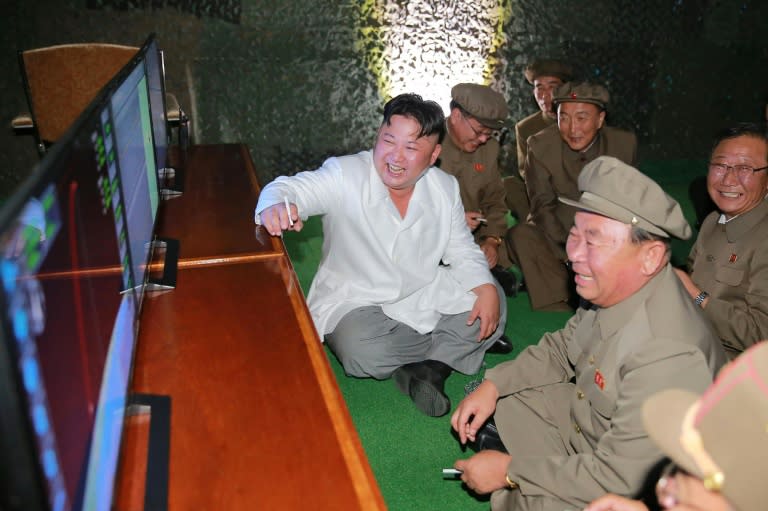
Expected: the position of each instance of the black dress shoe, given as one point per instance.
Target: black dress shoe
(487, 438)
(502, 346)
(507, 280)
(424, 382)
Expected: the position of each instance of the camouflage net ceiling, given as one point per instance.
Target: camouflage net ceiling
(667, 63)
(299, 81)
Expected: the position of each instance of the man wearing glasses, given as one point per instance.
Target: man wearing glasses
(471, 153)
(729, 261)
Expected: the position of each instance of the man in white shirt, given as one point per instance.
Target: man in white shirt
(402, 289)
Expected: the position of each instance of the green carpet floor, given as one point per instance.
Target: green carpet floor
(407, 449)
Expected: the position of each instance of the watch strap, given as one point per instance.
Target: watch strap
(700, 298)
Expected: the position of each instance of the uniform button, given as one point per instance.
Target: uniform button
(580, 394)
(591, 360)
(576, 428)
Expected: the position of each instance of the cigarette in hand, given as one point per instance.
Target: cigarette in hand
(288, 209)
(481, 220)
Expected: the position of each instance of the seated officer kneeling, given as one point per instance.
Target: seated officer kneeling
(568, 409)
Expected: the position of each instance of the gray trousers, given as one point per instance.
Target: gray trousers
(368, 343)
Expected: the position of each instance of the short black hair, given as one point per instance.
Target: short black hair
(742, 129)
(427, 113)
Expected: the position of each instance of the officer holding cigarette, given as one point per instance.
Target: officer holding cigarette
(471, 153)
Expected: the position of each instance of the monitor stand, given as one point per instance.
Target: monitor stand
(172, 181)
(158, 448)
(168, 249)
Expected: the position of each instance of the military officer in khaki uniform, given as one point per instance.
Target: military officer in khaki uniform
(555, 158)
(545, 75)
(471, 153)
(729, 261)
(568, 409)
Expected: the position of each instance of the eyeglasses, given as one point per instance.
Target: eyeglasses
(742, 171)
(487, 133)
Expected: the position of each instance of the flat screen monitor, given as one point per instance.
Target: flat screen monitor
(129, 113)
(155, 69)
(68, 314)
(75, 245)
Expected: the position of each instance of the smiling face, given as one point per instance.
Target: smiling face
(401, 155)
(543, 87)
(466, 132)
(733, 194)
(608, 267)
(579, 123)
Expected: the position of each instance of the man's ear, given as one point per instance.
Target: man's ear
(653, 257)
(602, 119)
(435, 154)
(455, 115)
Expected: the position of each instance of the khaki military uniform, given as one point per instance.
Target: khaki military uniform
(730, 262)
(531, 125)
(480, 187)
(514, 186)
(553, 168)
(569, 408)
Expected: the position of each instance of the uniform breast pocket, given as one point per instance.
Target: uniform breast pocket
(729, 275)
(602, 402)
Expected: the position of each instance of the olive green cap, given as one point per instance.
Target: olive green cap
(582, 92)
(548, 67)
(611, 188)
(483, 103)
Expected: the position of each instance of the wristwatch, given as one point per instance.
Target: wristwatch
(700, 298)
(494, 239)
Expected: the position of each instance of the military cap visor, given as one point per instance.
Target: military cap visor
(613, 189)
(548, 67)
(583, 92)
(483, 103)
(720, 437)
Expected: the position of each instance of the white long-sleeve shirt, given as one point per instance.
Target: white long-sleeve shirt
(373, 256)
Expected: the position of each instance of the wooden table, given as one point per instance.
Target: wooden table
(257, 420)
(213, 218)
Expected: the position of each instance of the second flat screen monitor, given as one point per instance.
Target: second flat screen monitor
(133, 137)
